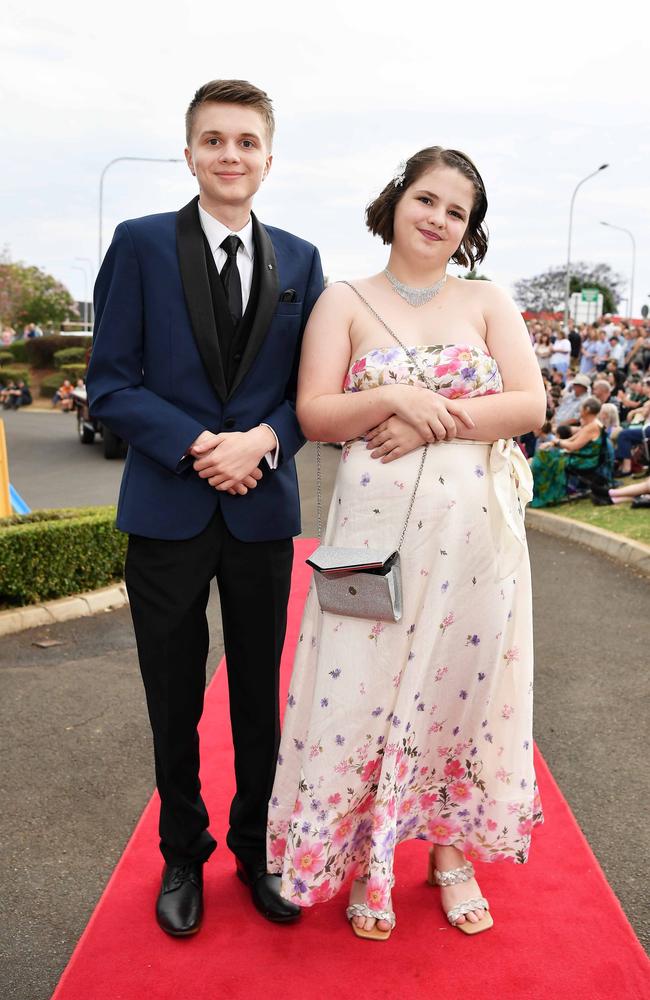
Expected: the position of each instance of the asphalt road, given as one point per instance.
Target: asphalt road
(75, 753)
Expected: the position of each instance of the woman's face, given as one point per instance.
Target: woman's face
(432, 215)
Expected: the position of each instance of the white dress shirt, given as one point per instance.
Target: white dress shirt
(215, 233)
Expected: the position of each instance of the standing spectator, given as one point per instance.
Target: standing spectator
(543, 350)
(32, 331)
(576, 347)
(616, 351)
(561, 352)
(589, 352)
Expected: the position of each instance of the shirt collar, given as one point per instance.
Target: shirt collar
(216, 232)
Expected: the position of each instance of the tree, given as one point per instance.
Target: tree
(546, 290)
(475, 276)
(30, 295)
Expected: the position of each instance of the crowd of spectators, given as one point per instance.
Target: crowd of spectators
(597, 427)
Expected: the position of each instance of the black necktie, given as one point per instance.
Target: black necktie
(230, 277)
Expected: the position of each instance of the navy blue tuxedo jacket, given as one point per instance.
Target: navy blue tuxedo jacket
(156, 376)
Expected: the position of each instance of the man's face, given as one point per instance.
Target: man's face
(228, 154)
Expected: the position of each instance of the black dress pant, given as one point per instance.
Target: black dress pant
(169, 584)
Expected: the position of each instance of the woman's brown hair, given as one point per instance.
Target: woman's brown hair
(381, 212)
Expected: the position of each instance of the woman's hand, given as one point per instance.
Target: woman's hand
(433, 416)
(392, 439)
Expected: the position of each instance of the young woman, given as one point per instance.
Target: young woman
(420, 728)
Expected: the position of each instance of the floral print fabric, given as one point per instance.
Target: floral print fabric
(420, 728)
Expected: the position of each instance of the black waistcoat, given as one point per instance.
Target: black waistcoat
(232, 340)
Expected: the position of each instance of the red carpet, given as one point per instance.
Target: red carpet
(559, 930)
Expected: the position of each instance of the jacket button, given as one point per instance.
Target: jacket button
(236, 358)
(229, 422)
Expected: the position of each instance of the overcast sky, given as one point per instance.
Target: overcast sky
(539, 96)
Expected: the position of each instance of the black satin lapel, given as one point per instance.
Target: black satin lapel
(268, 299)
(196, 286)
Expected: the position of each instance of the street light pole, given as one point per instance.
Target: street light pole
(119, 159)
(568, 258)
(622, 230)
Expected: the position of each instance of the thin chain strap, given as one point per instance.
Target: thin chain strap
(426, 447)
(409, 354)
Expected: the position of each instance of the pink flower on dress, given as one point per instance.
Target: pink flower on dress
(449, 368)
(428, 800)
(371, 770)
(406, 806)
(343, 830)
(377, 894)
(473, 852)
(525, 828)
(322, 892)
(334, 799)
(297, 807)
(454, 769)
(402, 770)
(441, 829)
(511, 655)
(278, 847)
(461, 791)
(358, 366)
(365, 803)
(491, 825)
(308, 857)
(506, 711)
(447, 621)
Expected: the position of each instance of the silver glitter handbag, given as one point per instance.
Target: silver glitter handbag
(360, 583)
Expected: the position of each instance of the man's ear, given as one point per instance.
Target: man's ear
(188, 160)
(267, 165)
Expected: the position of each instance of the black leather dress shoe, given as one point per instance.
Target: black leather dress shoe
(265, 892)
(180, 904)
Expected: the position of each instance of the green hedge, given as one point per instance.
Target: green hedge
(73, 372)
(70, 356)
(18, 350)
(6, 358)
(39, 351)
(13, 374)
(50, 384)
(55, 553)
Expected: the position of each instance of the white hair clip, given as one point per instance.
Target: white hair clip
(400, 173)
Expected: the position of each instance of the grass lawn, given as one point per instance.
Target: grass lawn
(621, 519)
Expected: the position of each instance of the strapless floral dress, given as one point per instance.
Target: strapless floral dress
(422, 728)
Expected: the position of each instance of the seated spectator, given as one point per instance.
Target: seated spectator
(609, 418)
(4, 393)
(7, 336)
(638, 493)
(570, 405)
(17, 396)
(588, 448)
(63, 395)
(602, 390)
(636, 432)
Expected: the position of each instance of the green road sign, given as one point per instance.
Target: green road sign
(589, 294)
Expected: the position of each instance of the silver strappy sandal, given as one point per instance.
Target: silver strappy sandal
(456, 876)
(359, 908)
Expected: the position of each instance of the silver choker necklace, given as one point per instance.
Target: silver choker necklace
(415, 296)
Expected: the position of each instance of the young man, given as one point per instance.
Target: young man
(199, 320)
